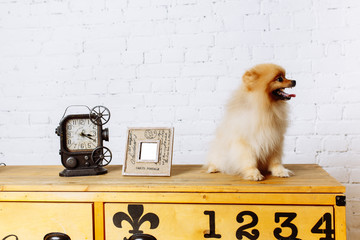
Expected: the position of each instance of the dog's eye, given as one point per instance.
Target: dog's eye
(280, 79)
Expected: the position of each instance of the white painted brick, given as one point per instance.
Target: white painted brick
(196, 55)
(188, 26)
(192, 41)
(304, 112)
(311, 50)
(286, 36)
(147, 43)
(256, 22)
(222, 54)
(186, 113)
(118, 86)
(340, 173)
(152, 57)
(330, 112)
(167, 99)
(172, 55)
(352, 48)
(117, 4)
(352, 111)
(133, 57)
(159, 70)
(280, 21)
(203, 69)
(355, 144)
(310, 144)
(213, 24)
(337, 127)
(147, 13)
(224, 8)
(334, 50)
(355, 175)
(141, 86)
(331, 81)
(236, 39)
(208, 99)
(185, 85)
(263, 53)
(163, 85)
(139, 4)
(286, 52)
(105, 59)
(189, 11)
(211, 113)
(333, 159)
(206, 84)
(301, 128)
(164, 114)
(336, 144)
(105, 45)
(333, 18)
(304, 20)
(233, 22)
(114, 71)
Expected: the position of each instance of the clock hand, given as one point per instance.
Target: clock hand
(87, 135)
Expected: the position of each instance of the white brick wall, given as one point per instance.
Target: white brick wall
(167, 62)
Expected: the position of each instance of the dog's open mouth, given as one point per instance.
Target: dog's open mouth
(279, 94)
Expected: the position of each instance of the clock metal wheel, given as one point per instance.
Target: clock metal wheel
(100, 115)
(101, 156)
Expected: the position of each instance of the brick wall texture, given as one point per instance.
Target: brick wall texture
(175, 63)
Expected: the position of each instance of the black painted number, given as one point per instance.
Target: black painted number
(286, 224)
(211, 233)
(240, 233)
(328, 231)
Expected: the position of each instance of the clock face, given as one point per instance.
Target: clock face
(81, 134)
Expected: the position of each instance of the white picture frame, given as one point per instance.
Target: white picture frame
(149, 151)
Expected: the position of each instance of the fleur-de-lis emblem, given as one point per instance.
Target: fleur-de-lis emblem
(136, 219)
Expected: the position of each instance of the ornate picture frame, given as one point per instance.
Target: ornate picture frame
(148, 151)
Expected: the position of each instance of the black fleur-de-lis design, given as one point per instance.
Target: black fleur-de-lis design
(136, 219)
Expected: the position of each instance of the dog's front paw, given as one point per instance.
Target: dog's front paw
(280, 171)
(253, 175)
(212, 169)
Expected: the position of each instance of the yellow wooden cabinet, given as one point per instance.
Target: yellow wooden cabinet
(191, 204)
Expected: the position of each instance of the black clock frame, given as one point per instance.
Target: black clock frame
(81, 162)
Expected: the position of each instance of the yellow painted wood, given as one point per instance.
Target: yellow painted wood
(187, 221)
(32, 221)
(186, 194)
(308, 178)
(99, 220)
(130, 197)
(340, 222)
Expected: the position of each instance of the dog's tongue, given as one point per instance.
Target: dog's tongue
(287, 95)
(291, 95)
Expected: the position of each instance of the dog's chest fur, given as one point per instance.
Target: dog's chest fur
(269, 127)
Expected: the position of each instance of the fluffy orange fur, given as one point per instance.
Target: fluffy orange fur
(250, 138)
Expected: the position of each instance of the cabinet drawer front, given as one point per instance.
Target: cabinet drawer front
(195, 221)
(32, 221)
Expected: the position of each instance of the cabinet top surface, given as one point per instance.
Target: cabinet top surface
(308, 178)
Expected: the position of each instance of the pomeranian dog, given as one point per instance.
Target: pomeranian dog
(249, 141)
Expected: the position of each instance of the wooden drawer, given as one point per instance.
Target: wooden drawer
(211, 221)
(34, 220)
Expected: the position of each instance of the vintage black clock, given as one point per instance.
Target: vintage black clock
(81, 142)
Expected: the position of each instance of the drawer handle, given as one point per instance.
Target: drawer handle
(56, 236)
(139, 236)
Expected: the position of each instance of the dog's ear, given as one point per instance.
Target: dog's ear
(249, 78)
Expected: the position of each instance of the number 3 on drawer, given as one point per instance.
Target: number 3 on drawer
(192, 221)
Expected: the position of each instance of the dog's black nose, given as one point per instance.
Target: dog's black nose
(293, 83)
